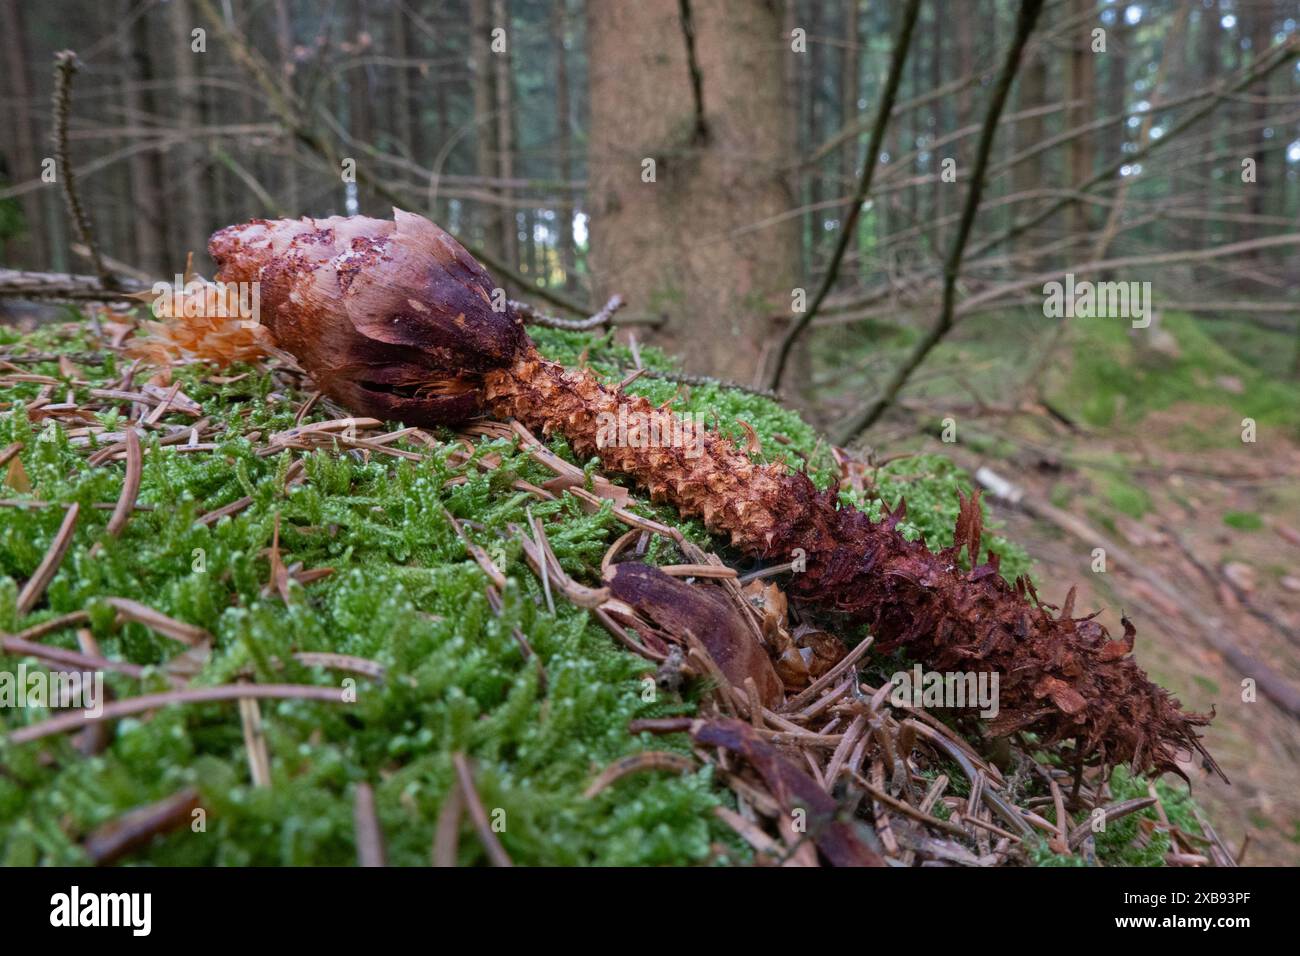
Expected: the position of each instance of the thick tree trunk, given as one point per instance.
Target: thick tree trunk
(694, 244)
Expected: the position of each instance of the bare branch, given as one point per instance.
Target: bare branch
(869, 163)
(1028, 16)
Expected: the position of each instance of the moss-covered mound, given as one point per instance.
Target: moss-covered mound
(404, 593)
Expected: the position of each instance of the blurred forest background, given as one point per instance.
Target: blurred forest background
(858, 203)
(531, 144)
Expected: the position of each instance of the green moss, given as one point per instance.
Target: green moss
(1127, 498)
(1243, 520)
(403, 593)
(1113, 379)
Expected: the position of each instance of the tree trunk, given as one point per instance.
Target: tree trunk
(690, 245)
(284, 44)
(400, 107)
(485, 126)
(1081, 68)
(1027, 175)
(1259, 27)
(192, 231)
(567, 245)
(1209, 57)
(20, 151)
(148, 208)
(360, 104)
(850, 74)
(505, 136)
(1116, 58)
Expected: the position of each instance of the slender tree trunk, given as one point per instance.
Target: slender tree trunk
(361, 102)
(1259, 27)
(941, 189)
(695, 244)
(146, 196)
(284, 45)
(485, 124)
(1116, 62)
(1081, 68)
(850, 74)
(400, 107)
(20, 148)
(1027, 175)
(564, 145)
(505, 136)
(193, 227)
(811, 114)
(1209, 57)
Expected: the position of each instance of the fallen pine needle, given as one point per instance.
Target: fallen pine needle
(259, 761)
(118, 837)
(495, 851)
(49, 566)
(75, 720)
(370, 838)
(636, 763)
(1112, 813)
(129, 610)
(446, 838)
(130, 487)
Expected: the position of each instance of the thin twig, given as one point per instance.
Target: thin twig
(1029, 11)
(535, 316)
(869, 163)
(65, 65)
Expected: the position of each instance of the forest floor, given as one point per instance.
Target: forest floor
(1152, 459)
(401, 593)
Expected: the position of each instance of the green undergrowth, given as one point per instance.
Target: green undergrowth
(404, 593)
(1116, 378)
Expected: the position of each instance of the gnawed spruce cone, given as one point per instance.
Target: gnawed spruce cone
(394, 319)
